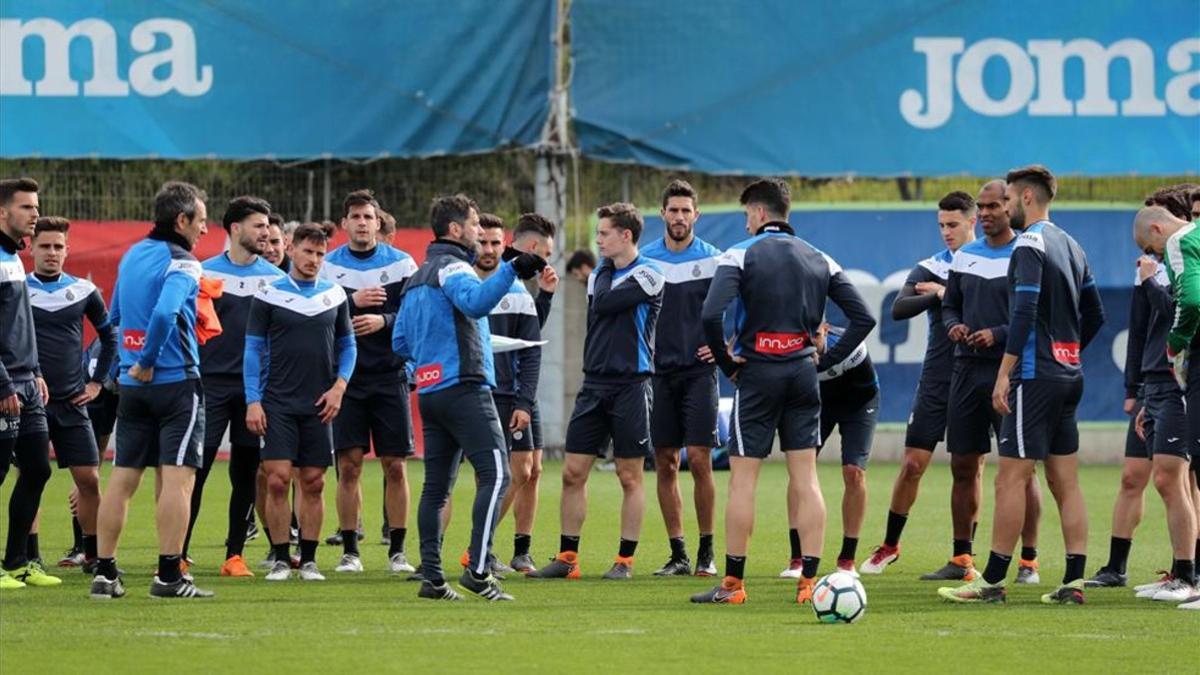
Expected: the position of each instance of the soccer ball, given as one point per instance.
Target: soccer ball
(839, 598)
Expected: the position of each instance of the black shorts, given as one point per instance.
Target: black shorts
(102, 411)
(377, 417)
(1135, 447)
(32, 419)
(857, 430)
(225, 406)
(71, 435)
(161, 425)
(1193, 410)
(783, 397)
(1166, 420)
(971, 420)
(518, 441)
(616, 412)
(927, 420)
(1042, 422)
(301, 439)
(536, 428)
(685, 410)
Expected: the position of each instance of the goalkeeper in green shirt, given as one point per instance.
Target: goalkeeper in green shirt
(1159, 233)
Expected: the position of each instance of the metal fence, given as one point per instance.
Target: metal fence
(502, 182)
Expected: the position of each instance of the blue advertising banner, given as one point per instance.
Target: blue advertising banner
(345, 78)
(877, 248)
(889, 88)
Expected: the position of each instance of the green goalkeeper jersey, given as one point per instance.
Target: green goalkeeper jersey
(1183, 268)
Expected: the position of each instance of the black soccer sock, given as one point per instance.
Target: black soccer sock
(243, 476)
(628, 548)
(678, 548)
(794, 539)
(1028, 553)
(1118, 554)
(168, 568)
(706, 546)
(396, 537)
(567, 543)
(308, 550)
(521, 544)
(1184, 569)
(77, 531)
(735, 566)
(106, 567)
(349, 542)
(89, 546)
(282, 552)
(1075, 567)
(33, 549)
(849, 548)
(32, 455)
(997, 568)
(895, 527)
(962, 547)
(810, 565)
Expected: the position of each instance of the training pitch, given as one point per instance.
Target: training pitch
(374, 622)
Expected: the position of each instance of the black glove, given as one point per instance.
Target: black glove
(528, 265)
(510, 253)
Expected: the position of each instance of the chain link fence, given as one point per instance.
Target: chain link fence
(501, 182)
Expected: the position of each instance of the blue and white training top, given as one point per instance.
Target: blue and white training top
(778, 284)
(222, 355)
(1056, 308)
(977, 295)
(442, 328)
(688, 274)
(298, 342)
(623, 307)
(60, 304)
(517, 371)
(154, 307)
(385, 267)
(18, 346)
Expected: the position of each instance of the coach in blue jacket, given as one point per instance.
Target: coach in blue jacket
(442, 330)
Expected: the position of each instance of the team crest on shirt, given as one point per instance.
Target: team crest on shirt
(505, 304)
(326, 301)
(696, 271)
(383, 278)
(70, 295)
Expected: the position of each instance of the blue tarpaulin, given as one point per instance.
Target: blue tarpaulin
(230, 79)
(889, 88)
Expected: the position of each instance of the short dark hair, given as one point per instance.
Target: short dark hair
(241, 207)
(624, 216)
(173, 198)
(534, 223)
(449, 209)
(358, 198)
(773, 194)
(11, 186)
(1194, 196)
(275, 220)
(957, 201)
(1035, 176)
(1174, 199)
(490, 221)
(387, 222)
(319, 233)
(580, 258)
(51, 224)
(679, 188)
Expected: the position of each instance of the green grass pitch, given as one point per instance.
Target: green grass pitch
(374, 622)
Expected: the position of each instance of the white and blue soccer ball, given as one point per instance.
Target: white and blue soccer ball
(839, 598)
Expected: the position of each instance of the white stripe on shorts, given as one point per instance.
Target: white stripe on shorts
(1020, 424)
(737, 422)
(187, 435)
